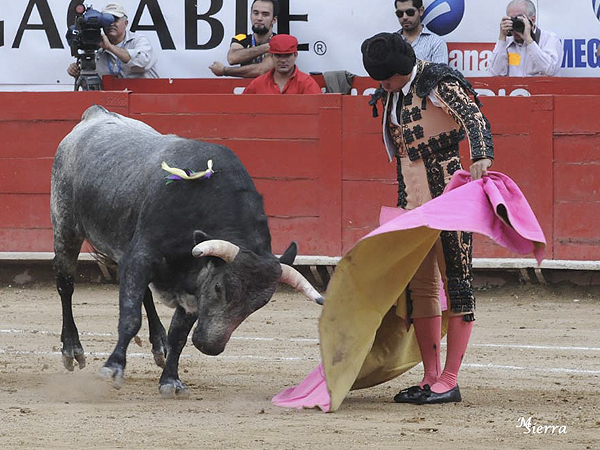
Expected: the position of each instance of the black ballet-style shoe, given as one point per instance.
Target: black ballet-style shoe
(430, 397)
(411, 395)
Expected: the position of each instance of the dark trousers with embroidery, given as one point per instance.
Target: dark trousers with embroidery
(458, 254)
(457, 245)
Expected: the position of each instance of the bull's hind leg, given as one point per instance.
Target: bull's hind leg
(170, 386)
(65, 265)
(158, 336)
(135, 276)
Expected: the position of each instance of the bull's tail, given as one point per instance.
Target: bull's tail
(106, 262)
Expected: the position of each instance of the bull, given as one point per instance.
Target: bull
(203, 246)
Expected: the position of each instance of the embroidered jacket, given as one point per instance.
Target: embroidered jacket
(432, 133)
(429, 130)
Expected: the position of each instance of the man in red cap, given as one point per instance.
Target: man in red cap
(285, 78)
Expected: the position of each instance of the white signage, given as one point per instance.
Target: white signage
(188, 35)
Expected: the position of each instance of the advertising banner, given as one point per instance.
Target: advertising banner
(188, 35)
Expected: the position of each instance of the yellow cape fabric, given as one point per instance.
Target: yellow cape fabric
(363, 335)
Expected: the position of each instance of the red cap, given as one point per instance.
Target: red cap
(283, 44)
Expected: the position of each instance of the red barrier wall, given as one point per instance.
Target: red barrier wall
(502, 86)
(31, 127)
(318, 161)
(295, 162)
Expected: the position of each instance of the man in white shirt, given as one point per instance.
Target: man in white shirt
(523, 50)
(122, 53)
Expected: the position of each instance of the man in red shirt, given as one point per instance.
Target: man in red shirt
(285, 78)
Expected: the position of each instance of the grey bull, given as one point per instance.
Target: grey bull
(202, 245)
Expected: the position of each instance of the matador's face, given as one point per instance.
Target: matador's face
(395, 83)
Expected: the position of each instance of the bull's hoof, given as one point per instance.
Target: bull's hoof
(70, 356)
(159, 347)
(160, 357)
(114, 373)
(174, 389)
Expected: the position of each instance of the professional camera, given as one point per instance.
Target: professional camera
(84, 38)
(518, 24)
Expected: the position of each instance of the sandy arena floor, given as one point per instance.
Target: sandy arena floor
(534, 353)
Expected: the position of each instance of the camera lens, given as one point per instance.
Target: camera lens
(518, 24)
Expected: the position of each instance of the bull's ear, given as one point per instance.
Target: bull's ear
(201, 236)
(289, 255)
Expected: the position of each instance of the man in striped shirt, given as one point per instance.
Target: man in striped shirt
(427, 46)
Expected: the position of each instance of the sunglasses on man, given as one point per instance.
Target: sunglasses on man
(409, 13)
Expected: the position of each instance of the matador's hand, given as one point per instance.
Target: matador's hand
(479, 168)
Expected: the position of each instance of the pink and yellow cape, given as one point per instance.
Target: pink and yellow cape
(364, 340)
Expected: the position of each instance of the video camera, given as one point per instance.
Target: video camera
(84, 38)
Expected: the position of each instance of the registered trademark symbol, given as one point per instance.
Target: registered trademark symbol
(320, 48)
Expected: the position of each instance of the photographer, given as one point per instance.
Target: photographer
(523, 50)
(122, 53)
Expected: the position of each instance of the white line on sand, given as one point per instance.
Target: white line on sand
(314, 359)
(312, 340)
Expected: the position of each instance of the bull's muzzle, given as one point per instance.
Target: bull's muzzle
(206, 346)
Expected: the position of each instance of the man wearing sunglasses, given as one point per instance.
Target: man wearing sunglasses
(428, 109)
(427, 46)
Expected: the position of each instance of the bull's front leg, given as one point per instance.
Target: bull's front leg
(134, 283)
(170, 386)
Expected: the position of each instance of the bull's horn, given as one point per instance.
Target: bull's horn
(216, 247)
(291, 276)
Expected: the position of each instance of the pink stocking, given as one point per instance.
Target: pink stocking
(459, 332)
(428, 331)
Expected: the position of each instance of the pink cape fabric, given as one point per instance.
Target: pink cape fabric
(493, 206)
(312, 392)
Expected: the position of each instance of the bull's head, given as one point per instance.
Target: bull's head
(233, 284)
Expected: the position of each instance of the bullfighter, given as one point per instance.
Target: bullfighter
(428, 110)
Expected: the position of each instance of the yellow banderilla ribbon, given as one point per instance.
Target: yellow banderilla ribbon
(183, 175)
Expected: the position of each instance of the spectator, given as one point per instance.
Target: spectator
(252, 51)
(122, 53)
(525, 53)
(285, 78)
(427, 45)
(428, 111)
